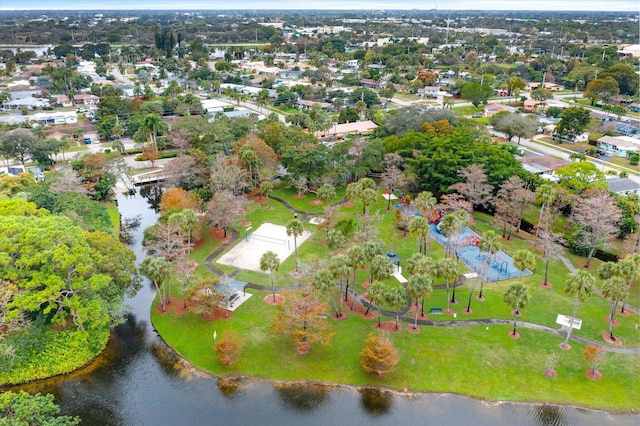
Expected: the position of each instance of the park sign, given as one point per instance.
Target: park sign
(566, 321)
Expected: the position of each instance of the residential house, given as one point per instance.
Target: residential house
(623, 186)
(55, 117)
(85, 99)
(543, 165)
(341, 131)
(492, 109)
(550, 86)
(620, 146)
(29, 102)
(62, 101)
(531, 105)
(309, 104)
(372, 84)
(429, 91)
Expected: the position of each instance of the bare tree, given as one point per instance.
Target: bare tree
(597, 216)
(393, 178)
(67, 180)
(474, 187)
(223, 208)
(452, 202)
(184, 172)
(510, 202)
(227, 175)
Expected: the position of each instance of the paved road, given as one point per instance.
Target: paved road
(563, 153)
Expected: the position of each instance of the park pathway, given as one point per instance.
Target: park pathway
(445, 323)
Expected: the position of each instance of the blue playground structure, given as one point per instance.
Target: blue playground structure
(492, 268)
(407, 210)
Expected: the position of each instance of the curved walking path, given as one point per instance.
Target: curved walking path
(208, 262)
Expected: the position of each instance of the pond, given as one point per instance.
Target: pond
(139, 381)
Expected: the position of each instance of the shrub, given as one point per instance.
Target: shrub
(228, 349)
(379, 356)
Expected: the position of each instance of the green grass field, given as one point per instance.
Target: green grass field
(480, 361)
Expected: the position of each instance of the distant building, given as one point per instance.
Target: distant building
(620, 146)
(341, 131)
(623, 186)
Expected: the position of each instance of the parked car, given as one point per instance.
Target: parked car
(87, 140)
(477, 115)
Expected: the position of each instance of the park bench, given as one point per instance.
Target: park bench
(435, 311)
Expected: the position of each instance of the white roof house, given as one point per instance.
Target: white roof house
(619, 146)
(29, 102)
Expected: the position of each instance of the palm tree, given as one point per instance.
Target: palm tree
(614, 289)
(490, 244)
(156, 269)
(579, 284)
(451, 226)
(397, 298)
(448, 269)
(545, 194)
(368, 197)
(357, 257)
(366, 183)
(377, 293)
(381, 268)
(523, 260)
(419, 226)
(323, 282)
(326, 192)
(339, 268)
(153, 125)
(419, 286)
(372, 249)
(270, 262)
(294, 227)
(425, 202)
(629, 269)
(187, 220)
(517, 297)
(353, 192)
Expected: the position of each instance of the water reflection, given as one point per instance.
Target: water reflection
(549, 415)
(376, 402)
(303, 397)
(152, 193)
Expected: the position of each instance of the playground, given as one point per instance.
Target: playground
(254, 243)
(496, 267)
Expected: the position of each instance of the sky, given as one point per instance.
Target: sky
(579, 5)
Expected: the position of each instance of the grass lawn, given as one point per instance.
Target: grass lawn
(475, 360)
(465, 110)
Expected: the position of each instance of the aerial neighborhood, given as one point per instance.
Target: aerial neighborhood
(395, 199)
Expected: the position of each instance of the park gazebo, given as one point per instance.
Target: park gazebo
(393, 258)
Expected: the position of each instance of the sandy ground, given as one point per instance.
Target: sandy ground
(247, 254)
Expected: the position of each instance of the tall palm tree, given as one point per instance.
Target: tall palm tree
(397, 298)
(614, 289)
(419, 226)
(339, 268)
(294, 227)
(368, 197)
(153, 125)
(579, 284)
(629, 269)
(357, 258)
(418, 287)
(377, 293)
(156, 269)
(448, 269)
(323, 282)
(372, 249)
(451, 226)
(270, 262)
(523, 260)
(353, 192)
(517, 297)
(381, 268)
(425, 202)
(490, 244)
(367, 183)
(326, 193)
